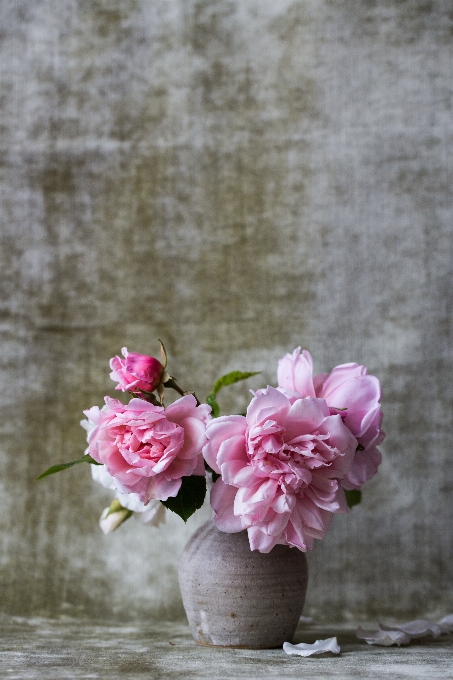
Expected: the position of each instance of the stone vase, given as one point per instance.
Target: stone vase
(235, 597)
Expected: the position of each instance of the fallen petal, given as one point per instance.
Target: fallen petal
(319, 647)
(446, 624)
(417, 629)
(385, 638)
(403, 633)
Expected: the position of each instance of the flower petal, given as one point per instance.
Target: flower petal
(222, 502)
(295, 373)
(319, 647)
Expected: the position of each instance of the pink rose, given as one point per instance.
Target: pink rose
(147, 448)
(349, 387)
(136, 371)
(279, 468)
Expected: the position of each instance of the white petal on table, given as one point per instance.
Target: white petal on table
(403, 633)
(446, 624)
(319, 647)
(416, 630)
(385, 638)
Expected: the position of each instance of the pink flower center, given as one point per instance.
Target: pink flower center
(151, 442)
(289, 462)
(334, 411)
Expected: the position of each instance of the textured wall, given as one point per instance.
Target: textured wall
(236, 177)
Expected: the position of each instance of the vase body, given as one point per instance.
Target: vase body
(235, 597)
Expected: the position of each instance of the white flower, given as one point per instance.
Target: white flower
(101, 476)
(153, 513)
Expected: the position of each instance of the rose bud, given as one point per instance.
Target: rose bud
(113, 516)
(136, 372)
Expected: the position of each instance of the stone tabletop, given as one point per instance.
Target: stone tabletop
(56, 649)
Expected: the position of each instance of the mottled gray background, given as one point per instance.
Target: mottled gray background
(236, 177)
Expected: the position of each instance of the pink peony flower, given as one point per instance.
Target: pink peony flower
(147, 448)
(349, 387)
(280, 468)
(136, 371)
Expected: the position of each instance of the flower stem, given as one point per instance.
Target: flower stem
(171, 383)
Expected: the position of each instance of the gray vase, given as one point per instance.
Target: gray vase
(235, 597)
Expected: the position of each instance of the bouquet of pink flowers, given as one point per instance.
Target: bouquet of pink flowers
(281, 471)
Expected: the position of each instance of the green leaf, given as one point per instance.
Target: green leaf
(215, 408)
(63, 466)
(230, 379)
(190, 497)
(353, 497)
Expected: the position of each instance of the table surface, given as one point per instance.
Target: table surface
(74, 648)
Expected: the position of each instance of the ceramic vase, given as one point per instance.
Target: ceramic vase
(235, 597)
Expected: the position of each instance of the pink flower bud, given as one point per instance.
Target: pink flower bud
(136, 372)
